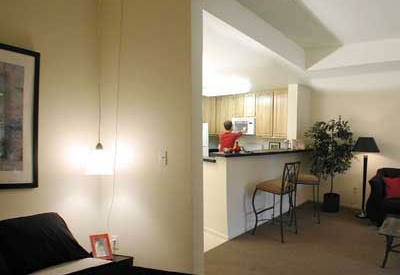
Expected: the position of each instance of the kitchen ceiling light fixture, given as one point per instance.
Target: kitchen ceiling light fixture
(225, 85)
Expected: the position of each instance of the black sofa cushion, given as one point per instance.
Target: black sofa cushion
(391, 206)
(32, 243)
(3, 266)
(388, 173)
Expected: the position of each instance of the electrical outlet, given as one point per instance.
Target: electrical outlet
(114, 242)
(355, 191)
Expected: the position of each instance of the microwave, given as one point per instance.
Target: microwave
(240, 122)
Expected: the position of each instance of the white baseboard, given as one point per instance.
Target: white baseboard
(213, 238)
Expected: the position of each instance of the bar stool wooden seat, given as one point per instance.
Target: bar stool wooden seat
(279, 187)
(314, 181)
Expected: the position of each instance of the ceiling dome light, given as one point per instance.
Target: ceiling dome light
(225, 85)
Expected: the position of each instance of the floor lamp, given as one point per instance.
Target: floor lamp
(365, 145)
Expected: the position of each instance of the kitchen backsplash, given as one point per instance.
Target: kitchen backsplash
(248, 142)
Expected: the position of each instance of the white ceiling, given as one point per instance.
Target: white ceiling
(334, 35)
(358, 20)
(294, 20)
(228, 52)
(317, 23)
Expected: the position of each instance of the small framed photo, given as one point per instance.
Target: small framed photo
(274, 145)
(101, 246)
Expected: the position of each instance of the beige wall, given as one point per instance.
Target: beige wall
(64, 32)
(370, 114)
(152, 213)
(197, 119)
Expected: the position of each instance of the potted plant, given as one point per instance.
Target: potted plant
(332, 144)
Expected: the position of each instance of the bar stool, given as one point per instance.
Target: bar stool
(280, 187)
(314, 181)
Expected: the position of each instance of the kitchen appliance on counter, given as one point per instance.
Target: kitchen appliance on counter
(239, 123)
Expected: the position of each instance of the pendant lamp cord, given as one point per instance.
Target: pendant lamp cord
(122, 2)
(99, 100)
(99, 70)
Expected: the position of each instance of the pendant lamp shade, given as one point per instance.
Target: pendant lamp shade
(100, 162)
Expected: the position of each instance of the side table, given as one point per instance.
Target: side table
(391, 230)
(122, 260)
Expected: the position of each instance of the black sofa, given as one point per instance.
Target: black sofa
(377, 205)
(33, 243)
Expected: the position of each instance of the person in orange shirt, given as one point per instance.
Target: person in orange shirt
(228, 138)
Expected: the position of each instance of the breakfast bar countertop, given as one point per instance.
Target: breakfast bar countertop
(209, 159)
(258, 153)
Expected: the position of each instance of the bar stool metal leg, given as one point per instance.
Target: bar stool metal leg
(255, 212)
(318, 206)
(281, 217)
(313, 200)
(273, 209)
(291, 207)
(294, 210)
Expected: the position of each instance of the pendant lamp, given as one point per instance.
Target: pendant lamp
(100, 162)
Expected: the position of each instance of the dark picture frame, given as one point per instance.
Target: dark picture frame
(272, 145)
(19, 110)
(101, 246)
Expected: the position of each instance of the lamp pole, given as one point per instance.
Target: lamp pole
(365, 145)
(362, 214)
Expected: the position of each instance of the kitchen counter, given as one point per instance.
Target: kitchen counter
(228, 186)
(259, 153)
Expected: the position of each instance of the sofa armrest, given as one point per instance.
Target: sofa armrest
(377, 189)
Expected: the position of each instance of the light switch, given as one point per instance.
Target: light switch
(163, 157)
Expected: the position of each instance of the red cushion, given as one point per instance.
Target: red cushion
(392, 187)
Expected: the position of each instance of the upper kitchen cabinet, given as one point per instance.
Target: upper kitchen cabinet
(280, 113)
(264, 114)
(209, 114)
(237, 105)
(249, 104)
(269, 108)
(224, 111)
(228, 107)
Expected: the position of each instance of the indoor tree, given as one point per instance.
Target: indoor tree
(332, 144)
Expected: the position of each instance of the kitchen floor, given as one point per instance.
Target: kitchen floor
(341, 244)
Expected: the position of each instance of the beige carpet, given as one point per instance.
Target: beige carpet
(341, 244)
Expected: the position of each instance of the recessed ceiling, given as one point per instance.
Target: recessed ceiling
(358, 20)
(322, 23)
(381, 82)
(229, 53)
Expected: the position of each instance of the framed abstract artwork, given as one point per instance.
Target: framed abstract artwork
(19, 97)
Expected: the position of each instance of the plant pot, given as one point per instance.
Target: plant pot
(331, 202)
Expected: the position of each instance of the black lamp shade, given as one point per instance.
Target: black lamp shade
(366, 145)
